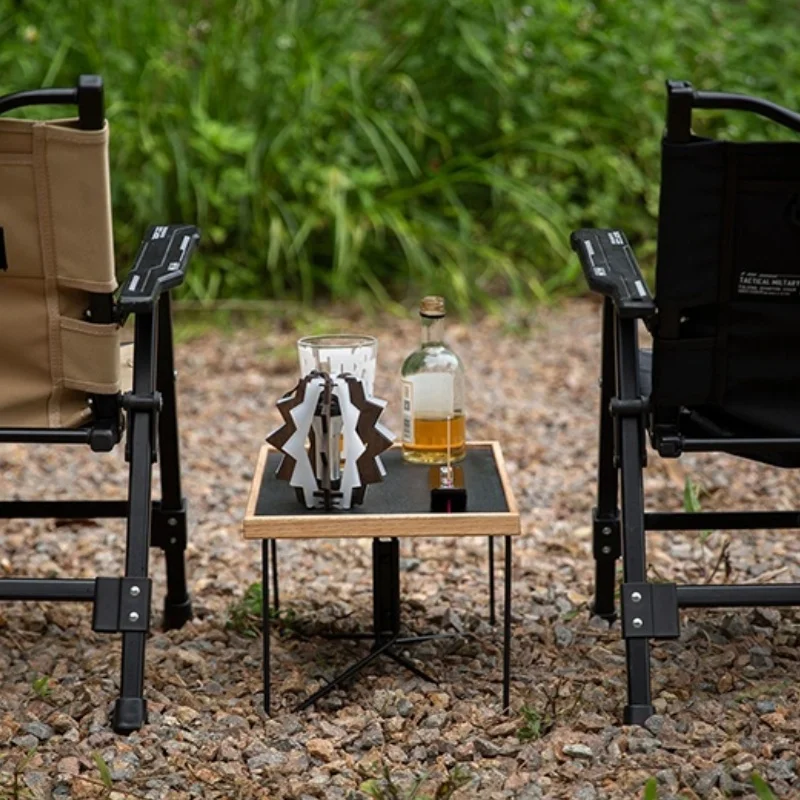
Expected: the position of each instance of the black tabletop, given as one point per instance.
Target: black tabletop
(404, 490)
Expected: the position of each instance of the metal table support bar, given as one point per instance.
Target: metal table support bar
(386, 622)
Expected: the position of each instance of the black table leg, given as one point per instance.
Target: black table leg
(385, 589)
(265, 546)
(385, 620)
(507, 630)
(492, 617)
(277, 601)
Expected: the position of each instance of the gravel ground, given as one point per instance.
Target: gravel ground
(726, 692)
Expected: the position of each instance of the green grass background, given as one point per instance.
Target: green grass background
(370, 150)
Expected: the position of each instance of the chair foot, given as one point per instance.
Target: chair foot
(130, 713)
(176, 615)
(637, 715)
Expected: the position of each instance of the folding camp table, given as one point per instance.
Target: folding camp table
(398, 507)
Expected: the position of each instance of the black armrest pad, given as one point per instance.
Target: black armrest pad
(159, 265)
(611, 269)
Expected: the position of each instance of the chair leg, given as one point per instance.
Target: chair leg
(605, 529)
(631, 450)
(130, 711)
(177, 603)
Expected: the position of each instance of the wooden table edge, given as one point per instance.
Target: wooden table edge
(368, 526)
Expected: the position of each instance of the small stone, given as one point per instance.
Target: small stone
(760, 657)
(585, 792)
(776, 720)
(563, 605)
(660, 705)
(516, 781)
(372, 736)
(297, 763)
(321, 749)
(736, 626)
(598, 624)
(27, 741)
(564, 636)
(579, 751)
(655, 723)
(186, 715)
(668, 778)
(233, 721)
(61, 723)
(124, 767)
(486, 748)
(643, 745)
(725, 683)
(434, 720)
(531, 792)
(40, 730)
(272, 758)
(227, 752)
(768, 616)
(69, 766)
(782, 770)
(765, 706)
(707, 779)
(404, 706)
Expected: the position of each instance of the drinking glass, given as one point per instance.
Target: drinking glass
(338, 353)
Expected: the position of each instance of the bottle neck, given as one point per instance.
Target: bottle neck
(432, 330)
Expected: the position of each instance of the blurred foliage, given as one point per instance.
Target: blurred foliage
(371, 149)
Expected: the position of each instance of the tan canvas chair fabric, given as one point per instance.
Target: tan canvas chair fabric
(55, 212)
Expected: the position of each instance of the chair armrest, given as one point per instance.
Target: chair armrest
(611, 270)
(159, 265)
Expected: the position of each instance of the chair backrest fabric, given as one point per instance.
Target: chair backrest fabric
(55, 216)
(728, 283)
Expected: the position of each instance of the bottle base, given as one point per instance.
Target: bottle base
(433, 457)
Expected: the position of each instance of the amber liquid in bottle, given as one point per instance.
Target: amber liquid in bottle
(434, 422)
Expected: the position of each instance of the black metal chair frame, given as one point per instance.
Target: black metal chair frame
(651, 610)
(122, 605)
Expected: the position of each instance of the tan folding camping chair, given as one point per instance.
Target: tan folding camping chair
(60, 320)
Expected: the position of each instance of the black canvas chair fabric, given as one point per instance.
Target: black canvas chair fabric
(728, 287)
(146, 418)
(724, 372)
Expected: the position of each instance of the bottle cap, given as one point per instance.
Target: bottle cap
(432, 306)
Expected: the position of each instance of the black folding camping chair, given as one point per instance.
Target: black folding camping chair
(723, 375)
(59, 361)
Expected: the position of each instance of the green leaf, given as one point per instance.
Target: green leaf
(691, 496)
(41, 686)
(761, 787)
(650, 790)
(372, 788)
(105, 772)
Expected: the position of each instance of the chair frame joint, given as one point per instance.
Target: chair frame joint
(142, 402)
(122, 605)
(606, 535)
(637, 407)
(650, 611)
(168, 527)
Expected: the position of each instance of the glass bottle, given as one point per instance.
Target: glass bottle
(434, 423)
